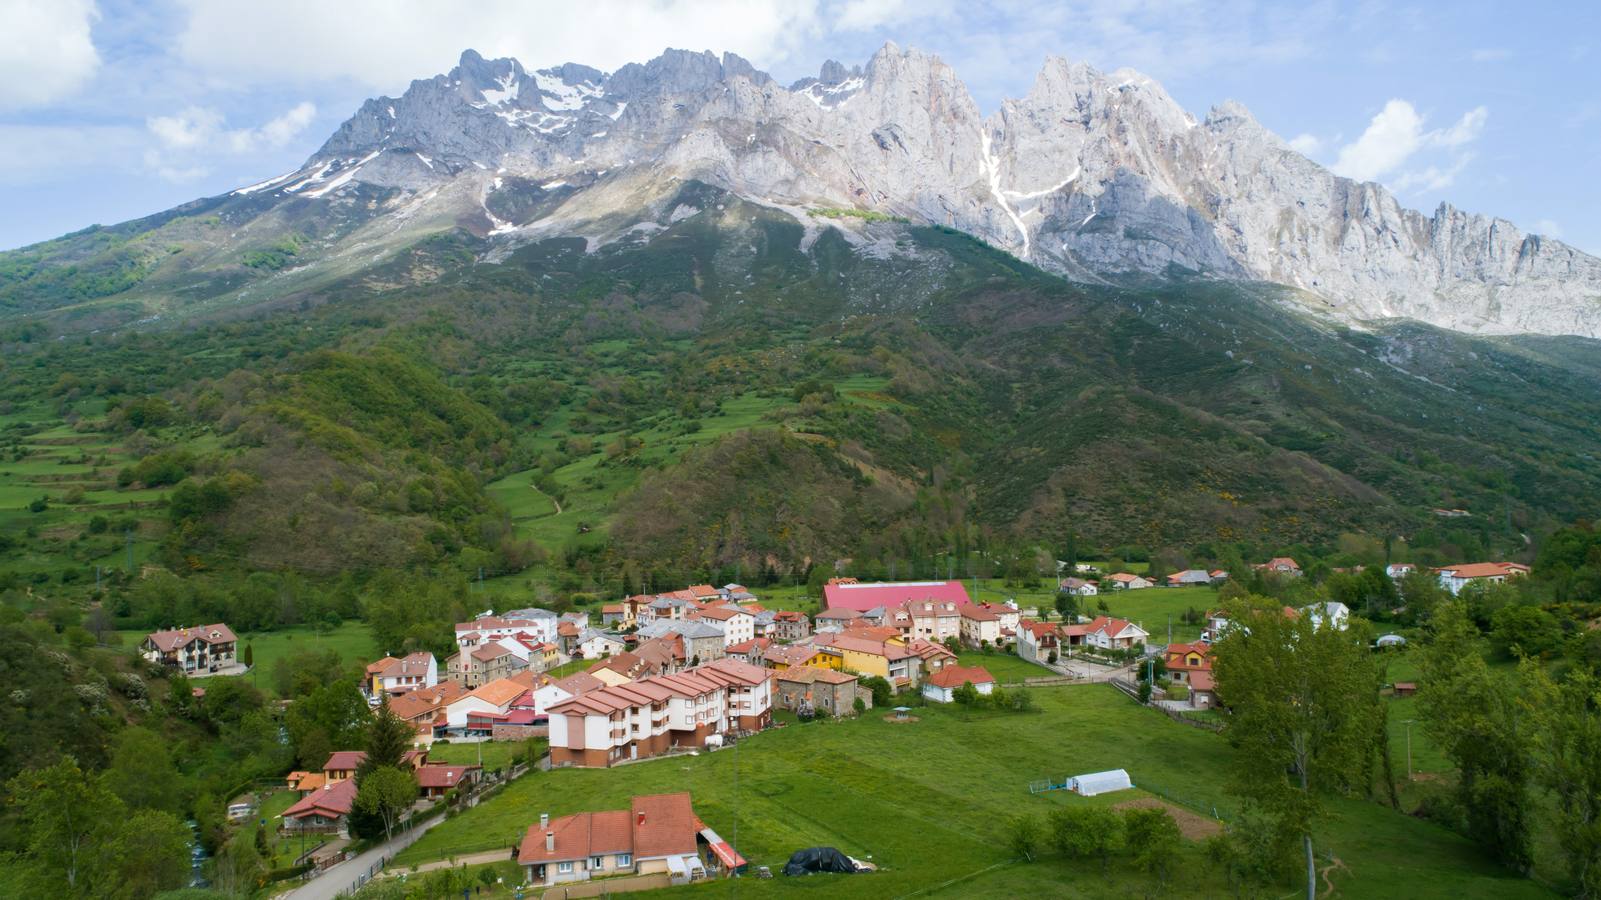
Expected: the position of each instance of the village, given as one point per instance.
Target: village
(704, 668)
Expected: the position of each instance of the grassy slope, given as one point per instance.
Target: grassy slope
(929, 802)
(352, 641)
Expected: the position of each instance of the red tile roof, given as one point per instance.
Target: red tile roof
(654, 826)
(168, 641)
(956, 676)
(862, 597)
(344, 760)
(330, 801)
(445, 777)
(1483, 570)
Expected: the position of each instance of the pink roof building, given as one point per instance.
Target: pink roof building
(865, 596)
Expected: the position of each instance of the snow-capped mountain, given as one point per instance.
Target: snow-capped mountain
(1093, 175)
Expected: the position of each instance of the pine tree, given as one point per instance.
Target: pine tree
(388, 739)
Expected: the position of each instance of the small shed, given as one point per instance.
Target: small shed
(902, 712)
(1390, 640)
(1100, 782)
(1405, 688)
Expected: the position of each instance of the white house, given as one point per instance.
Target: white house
(1455, 578)
(1108, 633)
(1078, 586)
(1189, 577)
(738, 625)
(1399, 570)
(494, 698)
(1124, 581)
(397, 676)
(941, 686)
(594, 644)
(1333, 612)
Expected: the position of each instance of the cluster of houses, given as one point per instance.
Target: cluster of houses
(326, 797)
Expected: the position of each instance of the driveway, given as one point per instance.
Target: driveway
(353, 873)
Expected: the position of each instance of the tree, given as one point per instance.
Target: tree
(1024, 836)
(1081, 832)
(237, 867)
(142, 773)
(248, 656)
(1567, 754)
(1067, 605)
(384, 795)
(149, 854)
(78, 839)
(1524, 631)
(965, 694)
(332, 717)
(1473, 716)
(1300, 701)
(882, 692)
(1153, 839)
(388, 739)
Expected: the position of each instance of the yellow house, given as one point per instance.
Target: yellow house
(784, 656)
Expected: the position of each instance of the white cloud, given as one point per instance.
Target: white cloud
(1549, 228)
(194, 136)
(1306, 144)
(1431, 178)
(866, 15)
(46, 52)
(1395, 134)
(384, 44)
(200, 128)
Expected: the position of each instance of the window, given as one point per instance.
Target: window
(597, 862)
(624, 860)
(565, 868)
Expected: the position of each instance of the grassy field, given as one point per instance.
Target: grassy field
(353, 642)
(1006, 668)
(1150, 608)
(929, 802)
(491, 754)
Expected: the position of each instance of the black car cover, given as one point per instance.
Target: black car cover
(818, 859)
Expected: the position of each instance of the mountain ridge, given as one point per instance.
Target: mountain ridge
(1088, 175)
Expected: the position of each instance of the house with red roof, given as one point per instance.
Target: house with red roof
(438, 779)
(935, 620)
(398, 676)
(1107, 633)
(835, 618)
(738, 624)
(980, 626)
(658, 833)
(203, 648)
(325, 809)
(1036, 641)
(1280, 565)
(1455, 578)
(865, 596)
(789, 625)
(1125, 581)
(941, 686)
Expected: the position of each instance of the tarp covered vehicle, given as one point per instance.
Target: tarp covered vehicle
(818, 859)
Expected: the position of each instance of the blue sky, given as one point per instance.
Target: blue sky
(111, 110)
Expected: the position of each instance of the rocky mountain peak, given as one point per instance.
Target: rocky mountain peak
(1091, 174)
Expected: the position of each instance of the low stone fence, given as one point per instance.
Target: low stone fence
(607, 886)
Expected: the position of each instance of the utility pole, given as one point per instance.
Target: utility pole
(1409, 749)
(1170, 628)
(128, 535)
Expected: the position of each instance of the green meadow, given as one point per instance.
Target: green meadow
(930, 801)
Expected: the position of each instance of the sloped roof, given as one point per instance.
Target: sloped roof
(330, 800)
(215, 633)
(866, 596)
(436, 775)
(810, 674)
(956, 676)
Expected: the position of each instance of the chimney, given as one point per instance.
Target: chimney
(544, 820)
(550, 842)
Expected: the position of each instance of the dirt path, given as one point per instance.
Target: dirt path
(1192, 825)
(554, 502)
(1328, 883)
(466, 859)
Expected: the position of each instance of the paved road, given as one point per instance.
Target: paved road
(352, 873)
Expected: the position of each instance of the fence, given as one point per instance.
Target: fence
(608, 886)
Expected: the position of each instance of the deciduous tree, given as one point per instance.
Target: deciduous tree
(1300, 701)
